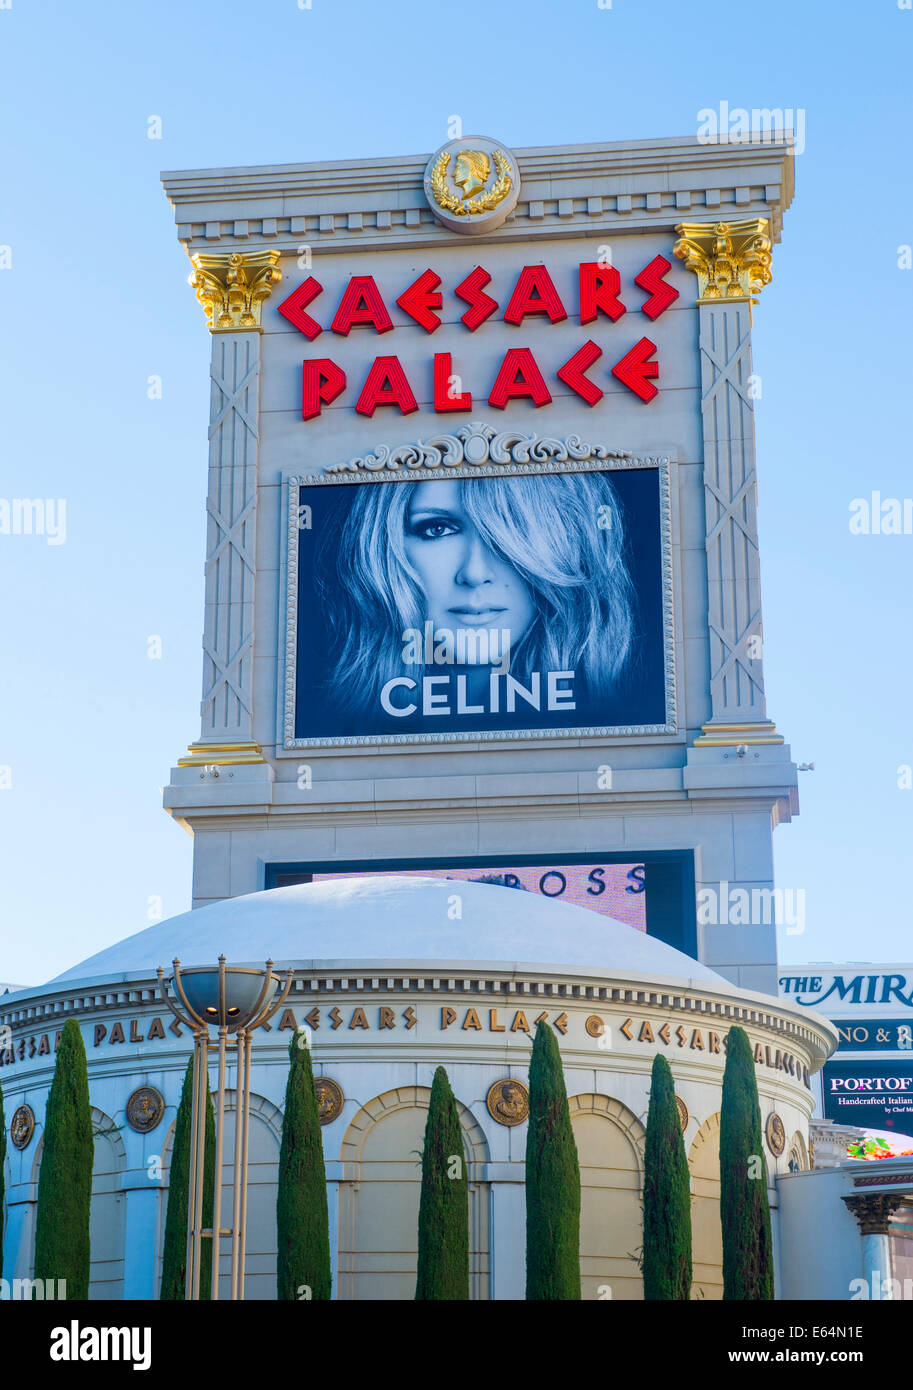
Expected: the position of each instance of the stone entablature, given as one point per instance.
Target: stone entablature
(566, 190)
(386, 1003)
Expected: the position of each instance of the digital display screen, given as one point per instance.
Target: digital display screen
(462, 607)
(652, 892)
(615, 890)
(871, 1095)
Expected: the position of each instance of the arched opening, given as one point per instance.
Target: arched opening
(609, 1140)
(264, 1141)
(106, 1225)
(106, 1214)
(797, 1159)
(706, 1230)
(378, 1204)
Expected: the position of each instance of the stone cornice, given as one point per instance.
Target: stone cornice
(578, 190)
(343, 803)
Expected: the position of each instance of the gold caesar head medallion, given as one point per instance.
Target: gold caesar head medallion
(472, 186)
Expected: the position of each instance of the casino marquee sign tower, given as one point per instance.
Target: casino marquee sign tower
(482, 602)
(482, 573)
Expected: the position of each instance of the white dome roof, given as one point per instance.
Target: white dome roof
(359, 921)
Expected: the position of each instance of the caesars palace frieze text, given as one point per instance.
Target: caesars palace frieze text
(592, 1030)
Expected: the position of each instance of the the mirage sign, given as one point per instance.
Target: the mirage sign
(846, 990)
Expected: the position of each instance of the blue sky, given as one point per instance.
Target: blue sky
(96, 301)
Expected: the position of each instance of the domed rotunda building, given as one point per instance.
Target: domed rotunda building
(393, 977)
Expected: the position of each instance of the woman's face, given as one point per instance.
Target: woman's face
(466, 584)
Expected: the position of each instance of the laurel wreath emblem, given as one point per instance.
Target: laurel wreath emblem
(484, 202)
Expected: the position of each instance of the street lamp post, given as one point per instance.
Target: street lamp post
(236, 1000)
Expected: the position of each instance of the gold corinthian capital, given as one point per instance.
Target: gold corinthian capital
(232, 285)
(730, 259)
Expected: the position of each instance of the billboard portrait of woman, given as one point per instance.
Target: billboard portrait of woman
(468, 605)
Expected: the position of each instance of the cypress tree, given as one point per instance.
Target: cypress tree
(177, 1217)
(65, 1177)
(552, 1179)
(443, 1214)
(667, 1194)
(744, 1209)
(302, 1218)
(2, 1176)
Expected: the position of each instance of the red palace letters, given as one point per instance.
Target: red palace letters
(519, 376)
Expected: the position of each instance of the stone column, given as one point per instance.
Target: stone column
(19, 1236)
(732, 262)
(232, 287)
(140, 1236)
(873, 1212)
(334, 1175)
(507, 1242)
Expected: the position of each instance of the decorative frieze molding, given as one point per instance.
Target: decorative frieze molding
(884, 1180)
(232, 287)
(536, 216)
(730, 259)
(479, 445)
